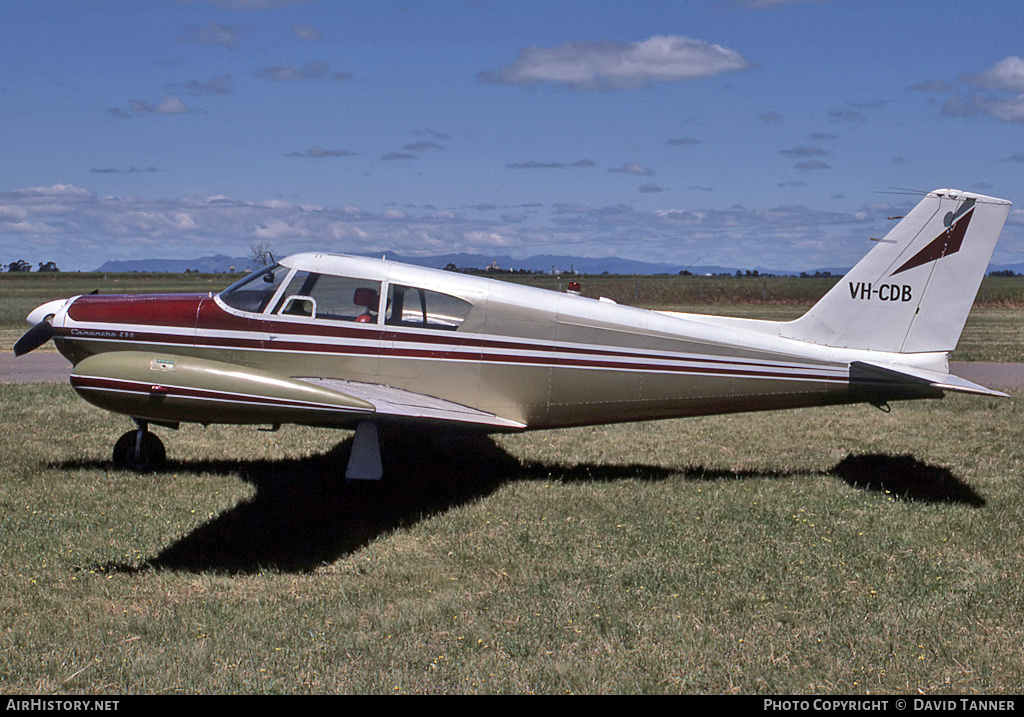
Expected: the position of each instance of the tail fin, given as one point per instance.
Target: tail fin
(913, 291)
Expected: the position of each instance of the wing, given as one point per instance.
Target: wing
(399, 405)
(396, 405)
(171, 388)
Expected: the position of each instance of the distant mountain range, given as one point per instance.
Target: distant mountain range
(542, 263)
(219, 264)
(546, 263)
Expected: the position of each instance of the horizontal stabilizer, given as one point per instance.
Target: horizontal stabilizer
(908, 378)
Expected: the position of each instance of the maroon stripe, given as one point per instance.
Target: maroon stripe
(213, 318)
(152, 309)
(720, 367)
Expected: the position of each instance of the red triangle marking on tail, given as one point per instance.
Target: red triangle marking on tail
(946, 243)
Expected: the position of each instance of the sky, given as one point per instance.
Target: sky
(771, 134)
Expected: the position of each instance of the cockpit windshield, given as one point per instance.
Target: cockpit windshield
(299, 294)
(255, 291)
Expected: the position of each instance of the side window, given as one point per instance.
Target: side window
(410, 306)
(296, 305)
(285, 304)
(334, 298)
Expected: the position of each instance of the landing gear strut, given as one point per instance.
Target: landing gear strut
(139, 450)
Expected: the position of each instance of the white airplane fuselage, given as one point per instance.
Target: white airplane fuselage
(532, 356)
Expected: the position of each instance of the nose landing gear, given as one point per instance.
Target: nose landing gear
(139, 450)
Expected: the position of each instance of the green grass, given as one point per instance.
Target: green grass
(834, 550)
(742, 553)
(992, 334)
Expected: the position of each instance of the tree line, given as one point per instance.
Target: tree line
(23, 266)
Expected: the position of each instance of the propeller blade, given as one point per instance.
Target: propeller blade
(34, 338)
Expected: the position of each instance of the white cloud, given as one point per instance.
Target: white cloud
(93, 229)
(309, 71)
(811, 165)
(29, 228)
(636, 168)
(999, 93)
(276, 229)
(1005, 110)
(804, 151)
(215, 34)
(318, 152)
(580, 164)
(169, 105)
(772, 4)
(617, 65)
(249, 4)
(307, 33)
(1007, 74)
(930, 86)
(220, 85)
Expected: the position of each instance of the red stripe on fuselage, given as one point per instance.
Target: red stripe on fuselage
(192, 311)
(144, 309)
(198, 311)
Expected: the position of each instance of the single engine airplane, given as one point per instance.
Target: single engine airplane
(352, 342)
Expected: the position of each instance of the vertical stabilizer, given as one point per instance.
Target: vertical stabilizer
(913, 291)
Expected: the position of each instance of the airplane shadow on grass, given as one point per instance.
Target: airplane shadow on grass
(907, 478)
(305, 514)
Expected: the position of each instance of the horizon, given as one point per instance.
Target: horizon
(719, 132)
(479, 263)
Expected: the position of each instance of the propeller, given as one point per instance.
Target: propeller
(34, 337)
(41, 321)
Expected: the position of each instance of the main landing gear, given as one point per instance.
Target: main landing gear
(139, 450)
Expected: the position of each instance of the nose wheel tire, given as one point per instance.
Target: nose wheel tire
(139, 451)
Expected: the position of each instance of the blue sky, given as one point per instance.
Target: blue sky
(778, 134)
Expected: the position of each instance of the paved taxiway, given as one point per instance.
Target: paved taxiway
(36, 367)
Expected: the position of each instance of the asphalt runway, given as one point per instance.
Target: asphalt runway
(36, 367)
(50, 366)
(1000, 376)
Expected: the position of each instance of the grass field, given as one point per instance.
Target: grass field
(835, 550)
(839, 550)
